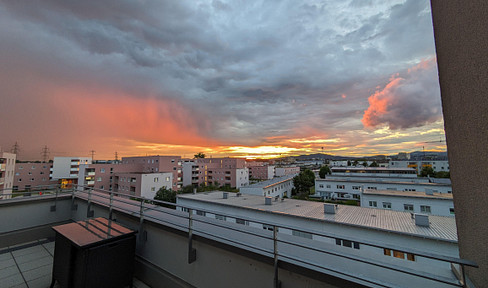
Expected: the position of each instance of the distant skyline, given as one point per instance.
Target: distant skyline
(226, 78)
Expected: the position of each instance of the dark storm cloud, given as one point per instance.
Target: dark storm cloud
(277, 65)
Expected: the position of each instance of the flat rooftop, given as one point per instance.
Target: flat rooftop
(270, 182)
(410, 194)
(441, 228)
(352, 179)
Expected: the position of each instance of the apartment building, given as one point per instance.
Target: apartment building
(276, 187)
(223, 171)
(142, 184)
(190, 172)
(289, 170)
(261, 170)
(66, 169)
(437, 165)
(7, 170)
(440, 204)
(380, 238)
(30, 174)
(152, 164)
(102, 175)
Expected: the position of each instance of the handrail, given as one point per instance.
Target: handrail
(111, 199)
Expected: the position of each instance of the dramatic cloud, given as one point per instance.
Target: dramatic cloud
(139, 76)
(408, 100)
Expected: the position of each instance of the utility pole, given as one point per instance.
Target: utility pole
(16, 148)
(116, 156)
(92, 152)
(45, 153)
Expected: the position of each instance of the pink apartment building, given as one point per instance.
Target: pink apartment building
(152, 164)
(261, 170)
(222, 171)
(31, 175)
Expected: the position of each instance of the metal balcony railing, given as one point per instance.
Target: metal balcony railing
(188, 219)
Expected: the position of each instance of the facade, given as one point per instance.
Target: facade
(335, 187)
(102, 176)
(276, 187)
(190, 173)
(431, 203)
(404, 172)
(345, 230)
(290, 170)
(437, 165)
(261, 172)
(223, 171)
(142, 184)
(7, 169)
(29, 175)
(66, 169)
(152, 164)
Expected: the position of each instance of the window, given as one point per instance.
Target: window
(372, 188)
(242, 221)
(201, 213)
(340, 187)
(268, 227)
(17, 174)
(373, 204)
(99, 179)
(156, 179)
(301, 234)
(102, 170)
(347, 243)
(321, 186)
(408, 207)
(424, 209)
(153, 189)
(356, 187)
(451, 210)
(220, 217)
(387, 205)
(20, 179)
(167, 179)
(328, 186)
(399, 254)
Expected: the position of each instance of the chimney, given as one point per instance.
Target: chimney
(422, 220)
(329, 208)
(225, 195)
(267, 200)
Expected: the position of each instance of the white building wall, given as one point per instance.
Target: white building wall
(242, 177)
(440, 207)
(62, 167)
(152, 182)
(187, 173)
(7, 172)
(325, 187)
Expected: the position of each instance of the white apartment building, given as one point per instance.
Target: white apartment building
(7, 170)
(351, 187)
(431, 203)
(290, 170)
(68, 167)
(378, 238)
(437, 165)
(276, 187)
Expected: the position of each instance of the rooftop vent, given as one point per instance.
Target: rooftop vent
(225, 195)
(422, 220)
(329, 208)
(267, 200)
(429, 191)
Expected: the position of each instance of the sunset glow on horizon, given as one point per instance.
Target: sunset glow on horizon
(232, 79)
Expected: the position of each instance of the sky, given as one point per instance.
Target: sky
(226, 78)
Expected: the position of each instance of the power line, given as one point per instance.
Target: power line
(16, 148)
(45, 153)
(92, 152)
(116, 156)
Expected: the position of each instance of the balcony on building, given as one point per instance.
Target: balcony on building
(180, 246)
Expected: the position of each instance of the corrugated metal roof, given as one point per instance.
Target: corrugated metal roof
(441, 227)
(415, 194)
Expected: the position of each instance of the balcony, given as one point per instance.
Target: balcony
(195, 245)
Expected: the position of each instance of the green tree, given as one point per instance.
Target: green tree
(303, 182)
(442, 174)
(355, 163)
(167, 195)
(427, 171)
(348, 163)
(324, 170)
(199, 155)
(374, 164)
(365, 164)
(187, 189)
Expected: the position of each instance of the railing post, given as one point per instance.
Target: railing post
(276, 281)
(89, 213)
(142, 233)
(53, 207)
(73, 205)
(192, 252)
(463, 276)
(110, 206)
